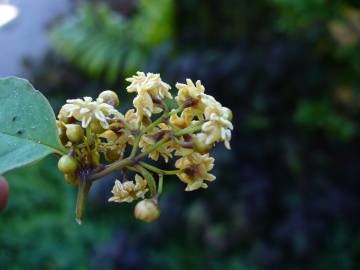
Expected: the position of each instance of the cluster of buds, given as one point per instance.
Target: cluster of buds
(101, 140)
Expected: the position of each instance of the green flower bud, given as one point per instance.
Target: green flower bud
(71, 179)
(75, 133)
(200, 146)
(110, 97)
(147, 210)
(67, 164)
(96, 127)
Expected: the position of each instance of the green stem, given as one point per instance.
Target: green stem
(136, 146)
(189, 130)
(117, 165)
(160, 185)
(162, 118)
(132, 168)
(159, 171)
(152, 148)
(127, 126)
(83, 191)
(149, 178)
(173, 127)
(151, 126)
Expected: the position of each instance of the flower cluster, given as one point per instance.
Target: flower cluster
(128, 191)
(101, 139)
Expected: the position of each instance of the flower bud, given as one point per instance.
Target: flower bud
(67, 164)
(96, 127)
(147, 210)
(110, 97)
(75, 133)
(71, 179)
(200, 146)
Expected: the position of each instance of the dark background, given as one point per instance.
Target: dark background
(286, 195)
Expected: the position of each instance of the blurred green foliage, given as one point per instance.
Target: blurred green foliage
(322, 116)
(39, 221)
(104, 43)
(304, 14)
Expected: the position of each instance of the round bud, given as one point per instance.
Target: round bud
(110, 97)
(96, 127)
(200, 146)
(4, 193)
(71, 179)
(67, 164)
(75, 133)
(147, 210)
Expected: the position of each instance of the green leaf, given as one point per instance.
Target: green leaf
(28, 130)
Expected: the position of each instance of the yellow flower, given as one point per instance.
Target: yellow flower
(129, 191)
(184, 120)
(149, 140)
(151, 83)
(115, 142)
(179, 148)
(145, 106)
(217, 126)
(189, 90)
(196, 167)
(148, 87)
(130, 118)
(193, 92)
(86, 110)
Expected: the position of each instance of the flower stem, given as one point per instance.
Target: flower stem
(136, 146)
(83, 191)
(189, 130)
(159, 171)
(117, 165)
(160, 184)
(162, 118)
(149, 178)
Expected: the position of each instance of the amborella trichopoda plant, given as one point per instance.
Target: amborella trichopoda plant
(93, 137)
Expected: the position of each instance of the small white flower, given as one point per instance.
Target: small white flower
(87, 110)
(148, 87)
(194, 93)
(129, 191)
(217, 126)
(196, 169)
(150, 83)
(189, 90)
